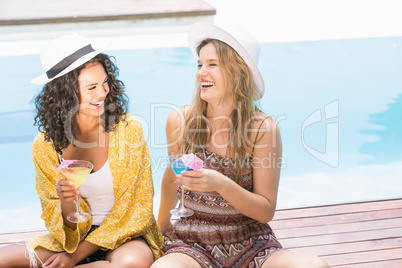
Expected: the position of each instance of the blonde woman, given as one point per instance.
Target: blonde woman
(234, 196)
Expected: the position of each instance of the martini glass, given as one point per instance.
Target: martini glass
(177, 165)
(77, 172)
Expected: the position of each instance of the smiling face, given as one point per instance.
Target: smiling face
(94, 87)
(209, 75)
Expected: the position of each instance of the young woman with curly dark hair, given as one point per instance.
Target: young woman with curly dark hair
(81, 115)
(59, 101)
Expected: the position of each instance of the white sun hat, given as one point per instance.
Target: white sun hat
(65, 53)
(237, 38)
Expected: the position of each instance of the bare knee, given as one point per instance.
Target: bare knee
(292, 259)
(132, 261)
(132, 254)
(175, 260)
(319, 263)
(309, 261)
(164, 262)
(157, 264)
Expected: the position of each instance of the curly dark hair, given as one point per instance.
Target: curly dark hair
(58, 103)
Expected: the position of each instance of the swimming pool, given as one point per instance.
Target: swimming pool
(338, 104)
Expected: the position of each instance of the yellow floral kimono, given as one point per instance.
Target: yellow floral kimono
(132, 214)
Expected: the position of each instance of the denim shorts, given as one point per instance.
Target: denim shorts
(100, 255)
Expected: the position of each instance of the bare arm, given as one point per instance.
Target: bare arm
(261, 203)
(67, 193)
(168, 200)
(84, 250)
(169, 180)
(65, 259)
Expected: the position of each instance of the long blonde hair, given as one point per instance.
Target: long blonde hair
(241, 90)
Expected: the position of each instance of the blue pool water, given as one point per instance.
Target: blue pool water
(338, 104)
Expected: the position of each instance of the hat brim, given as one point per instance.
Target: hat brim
(98, 48)
(204, 30)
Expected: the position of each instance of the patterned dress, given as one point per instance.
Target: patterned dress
(217, 235)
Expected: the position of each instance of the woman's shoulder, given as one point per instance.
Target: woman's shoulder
(39, 138)
(40, 142)
(129, 120)
(263, 128)
(262, 120)
(177, 117)
(175, 125)
(42, 147)
(129, 129)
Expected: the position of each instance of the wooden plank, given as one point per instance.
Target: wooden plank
(352, 235)
(337, 209)
(364, 257)
(352, 247)
(335, 219)
(377, 264)
(295, 242)
(368, 235)
(337, 228)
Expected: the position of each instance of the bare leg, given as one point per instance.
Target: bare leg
(292, 259)
(16, 255)
(133, 254)
(176, 260)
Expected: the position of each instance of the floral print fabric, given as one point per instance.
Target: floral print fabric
(132, 213)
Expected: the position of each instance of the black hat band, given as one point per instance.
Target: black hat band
(67, 61)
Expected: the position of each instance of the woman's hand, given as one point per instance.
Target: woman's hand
(66, 191)
(203, 180)
(63, 259)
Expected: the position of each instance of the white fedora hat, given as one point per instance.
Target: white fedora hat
(237, 38)
(65, 53)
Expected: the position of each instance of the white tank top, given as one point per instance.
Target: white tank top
(97, 191)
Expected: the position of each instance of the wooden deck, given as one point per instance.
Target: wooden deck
(364, 234)
(361, 234)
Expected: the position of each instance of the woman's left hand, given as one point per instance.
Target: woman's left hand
(62, 259)
(203, 180)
